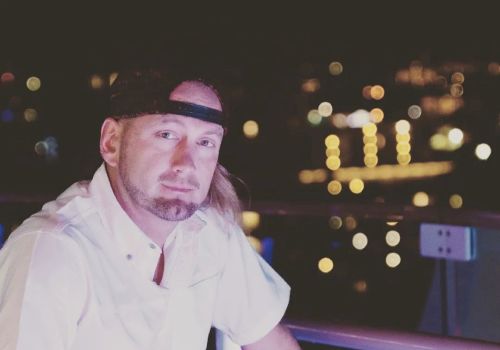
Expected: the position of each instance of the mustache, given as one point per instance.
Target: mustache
(174, 179)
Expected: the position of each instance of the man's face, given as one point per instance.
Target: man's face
(166, 163)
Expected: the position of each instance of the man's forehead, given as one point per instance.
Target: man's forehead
(196, 92)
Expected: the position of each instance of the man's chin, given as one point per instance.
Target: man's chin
(173, 209)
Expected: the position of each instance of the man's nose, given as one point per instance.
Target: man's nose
(182, 159)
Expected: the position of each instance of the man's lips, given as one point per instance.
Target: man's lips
(178, 188)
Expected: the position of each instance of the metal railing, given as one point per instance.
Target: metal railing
(366, 338)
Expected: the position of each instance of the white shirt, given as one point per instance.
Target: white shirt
(79, 275)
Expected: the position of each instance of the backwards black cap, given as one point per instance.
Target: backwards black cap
(140, 92)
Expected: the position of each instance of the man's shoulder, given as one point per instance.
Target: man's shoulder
(55, 216)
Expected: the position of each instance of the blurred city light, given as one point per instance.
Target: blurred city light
(456, 136)
(334, 187)
(360, 286)
(96, 82)
(255, 243)
(402, 126)
(325, 109)
(414, 112)
(325, 265)
(7, 116)
(376, 115)
(377, 92)
(250, 220)
(356, 186)
(251, 129)
(358, 118)
(350, 223)
(392, 238)
(335, 68)
(7, 77)
(393, 260)
(421, 199)
(310, 85)
(335, 222)
(30, 115)
(332, 141)
(483, 151)
(456, 201)
(33, 83)
(359, 241)
(314, 117)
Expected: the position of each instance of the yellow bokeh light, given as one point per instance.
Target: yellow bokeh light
(325, 109)
(483, 151)
(325, 265)
(456, 201)
(438, 142)
(403, 148)
(333, 163)
(33, 83)
(403, 138)
(255, 243)
(335, 222)
(414, 112)
(332, 152)
(457, 78)
(402, 126)
(377, 92)
(369, 129)
(359, 241)
(393, 260)
(250, 220)
(370, 160)
(403, 158)
(392, 238)
(334, 187)
(96, 82)
(30, 115)
(320, 175)
(350, 223)
(251, 129)
(370, 148)
(314, 117)
(356, 186)
(376, 115)
(332, 141)
(421, 199)
(391, 223)
(306, 176)
(369, 139)
(335, 68)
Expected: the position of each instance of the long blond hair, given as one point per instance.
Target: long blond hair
(222, 195)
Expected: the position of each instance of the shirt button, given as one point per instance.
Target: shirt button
(129, 256)
(152, 245)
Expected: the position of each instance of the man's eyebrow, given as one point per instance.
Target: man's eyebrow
(172, 120)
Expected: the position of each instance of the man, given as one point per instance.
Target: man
(148, 255)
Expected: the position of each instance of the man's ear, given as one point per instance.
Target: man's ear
(110, 141)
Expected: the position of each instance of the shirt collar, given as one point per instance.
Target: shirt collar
(133, 244)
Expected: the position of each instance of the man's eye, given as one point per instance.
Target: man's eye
(168, 135)
(207, 143)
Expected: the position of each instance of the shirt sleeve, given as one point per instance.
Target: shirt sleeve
(251, 298)
(42, 292)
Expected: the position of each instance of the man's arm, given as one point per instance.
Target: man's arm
(278, 338)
